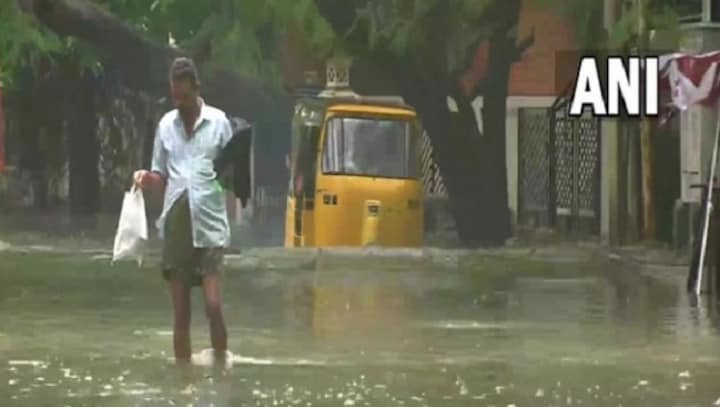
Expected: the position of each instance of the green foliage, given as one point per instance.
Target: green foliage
(660, 16)
(587, 19)
(406, 24)
(244, 34)
(437, 32)
(21, 41)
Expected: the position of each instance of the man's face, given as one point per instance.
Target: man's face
(184, 94)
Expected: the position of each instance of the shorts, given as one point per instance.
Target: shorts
(181, 260)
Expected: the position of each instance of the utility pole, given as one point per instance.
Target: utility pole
(646, 150)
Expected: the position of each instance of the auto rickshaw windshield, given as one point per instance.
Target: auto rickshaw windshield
(374, 147)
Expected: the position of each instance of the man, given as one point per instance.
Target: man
(194, 223)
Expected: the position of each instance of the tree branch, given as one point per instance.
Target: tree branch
(142, 64)
(515, 54)
(522, 46)
(339, 14)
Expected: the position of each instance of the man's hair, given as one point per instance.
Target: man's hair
(183, 68)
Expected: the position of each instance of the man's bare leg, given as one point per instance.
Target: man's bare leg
(180, 293)
(213, 310)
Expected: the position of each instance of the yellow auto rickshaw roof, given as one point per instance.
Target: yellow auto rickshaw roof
(370, 106)
(367, 108)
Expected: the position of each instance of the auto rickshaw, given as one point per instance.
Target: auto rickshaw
(354, 173)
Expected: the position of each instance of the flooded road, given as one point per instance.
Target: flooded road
(491, 332)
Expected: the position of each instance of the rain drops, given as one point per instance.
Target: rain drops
(684, 385)
(462, 387)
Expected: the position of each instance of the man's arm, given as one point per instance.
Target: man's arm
(156, 177)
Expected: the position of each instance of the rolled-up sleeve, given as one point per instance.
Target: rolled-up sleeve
(159, 156)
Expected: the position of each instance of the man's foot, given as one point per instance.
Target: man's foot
(220, 355)
(210, 357)
(223, 359)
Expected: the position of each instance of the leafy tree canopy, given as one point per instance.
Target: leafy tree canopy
(244, 34)
(21, 41)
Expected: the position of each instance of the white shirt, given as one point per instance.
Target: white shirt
(186, 162)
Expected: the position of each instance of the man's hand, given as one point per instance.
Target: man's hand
(139, 178)
(145, 179)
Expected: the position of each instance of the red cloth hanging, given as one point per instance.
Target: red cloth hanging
(691, 79)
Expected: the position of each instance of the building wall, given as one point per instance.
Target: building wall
(540, 70)
(547, 66)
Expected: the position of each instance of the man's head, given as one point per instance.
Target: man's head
(184, 84)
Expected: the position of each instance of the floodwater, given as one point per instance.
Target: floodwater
(75, 331)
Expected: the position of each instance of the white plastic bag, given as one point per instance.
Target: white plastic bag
(132, 233)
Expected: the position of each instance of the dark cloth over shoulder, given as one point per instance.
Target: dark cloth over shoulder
(233, 163)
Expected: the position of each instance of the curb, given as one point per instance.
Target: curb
(280, 258)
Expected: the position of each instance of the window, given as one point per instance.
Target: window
(695, 11)
(370, 147)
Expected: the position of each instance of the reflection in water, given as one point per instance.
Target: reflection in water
(203, 386)
(340, 307)
(486, 333)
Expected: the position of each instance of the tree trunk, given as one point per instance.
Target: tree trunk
(454, 135)
(502, 54)
(83, 155)
(32, 161)
(456, 145)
